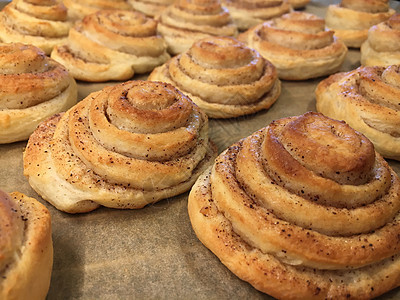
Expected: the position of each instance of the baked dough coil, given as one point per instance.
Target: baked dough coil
(44, 24)
(223, 77)
(78, 9)
(151, 8)
(351, 19)
(33, 87)
(123, 147)
(249, 13)
(298, 45)
(26, 247)
(303, 209)
(187, 21)
(368, 100)
(112, 45)
(382, 47)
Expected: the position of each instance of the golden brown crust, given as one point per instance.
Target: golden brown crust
(351, 19)
(44, 25)
(223, 77)
(367, 99)
(78, 9)
(26, 247)
(185, 22)
(298, 45)
(151, 8)
(382, 47)
(246, 14)
(112, 45)
(254, 224)
(123, 147)
(33, 87)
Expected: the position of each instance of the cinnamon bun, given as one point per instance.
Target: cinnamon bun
(187, 21)
(33, 87)
(368, 100)
(122, 147)
(298, 45)
(26, 247)
(223, 77)
(112, 45)
(382, 47)
(351, 19)
(44, 24)
(303, 209)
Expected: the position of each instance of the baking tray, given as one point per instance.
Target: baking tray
(153, 253)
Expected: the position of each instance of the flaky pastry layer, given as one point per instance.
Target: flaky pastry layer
(223, 77)
(112, 45)
(185, 22)
(124, 147)
(295, 242)
(33, 88)
(367, 99)
(26, 247)
(382, 47)
(298, 45)
(43, 25)
(351, 19)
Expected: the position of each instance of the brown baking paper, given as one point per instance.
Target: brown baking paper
(152, 253)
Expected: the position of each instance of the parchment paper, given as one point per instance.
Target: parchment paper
(152, 253)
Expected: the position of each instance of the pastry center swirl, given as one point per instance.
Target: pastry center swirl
(28, 76)
(299, 31)
(147, 108)
(330, 149)
(127, 23)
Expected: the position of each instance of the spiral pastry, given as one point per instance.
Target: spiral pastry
(368, 100)
(351, 19)
(78, 9)
(382, 48)
(187, 21)
(32, 88)
(123, 147)
(112, 45)
(26, 247)
(246, 14)
(223, 77)
(298, 45)
(44, 24)
(151, 8)
(303, 209)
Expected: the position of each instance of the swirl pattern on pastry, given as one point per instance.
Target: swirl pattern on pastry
(368, 100)
(382, 47)
(351, 19)
(112, 45)
(124, 147)
(33, 87)
(267, 209)
(249, 13)
(44, 24)
(223, 77)
(78, 9)
(298, 45)
(187, 21)
(151, 8)
(26, 247)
